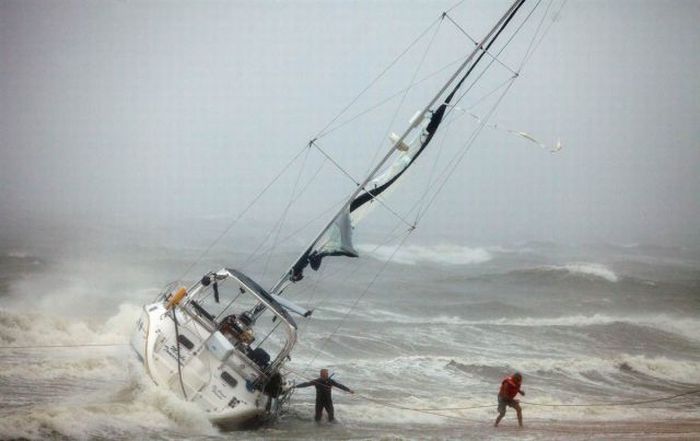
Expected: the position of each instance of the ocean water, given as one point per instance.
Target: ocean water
(437, 329)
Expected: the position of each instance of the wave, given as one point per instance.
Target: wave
(33, 328)
(581, 273)
(84, 393)
(18, 254)
(589, 269)
(686, 327)
(582, 270)
(444, 381)
(660, 368)
(440, 254)
(136, 411)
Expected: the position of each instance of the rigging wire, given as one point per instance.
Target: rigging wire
(394, 95)
(334, 162)
(455, 6)
(361, 296)
(493, 59)
(441, 186)
(252, 256)
(323, 131)
(551, 23)
(405, 94)
(450, 168)
(537, 31)
(360, 264)
(477, 43)
(241, 214)
(379, 200)
(487, 95)
(310, 301)
(498, 54)
(283, 217)
(457, 159)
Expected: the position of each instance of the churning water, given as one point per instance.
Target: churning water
(438, 329)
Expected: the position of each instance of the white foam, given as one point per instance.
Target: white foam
(19, 254)
(35, 328)
(589, 269)
(117, 400)
(688, 328)
(445, 254)
(426, 383)
(148, 409)
(658, 367)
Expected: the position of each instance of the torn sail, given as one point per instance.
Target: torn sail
(336, 240)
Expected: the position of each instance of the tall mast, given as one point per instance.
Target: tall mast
(483, 45)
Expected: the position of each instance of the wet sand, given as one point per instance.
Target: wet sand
(681, 429)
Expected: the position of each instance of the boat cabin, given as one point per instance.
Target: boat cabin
(241, 316)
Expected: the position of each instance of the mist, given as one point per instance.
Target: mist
(161, 121)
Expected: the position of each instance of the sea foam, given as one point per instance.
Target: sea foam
(439, 254)
(588, 269)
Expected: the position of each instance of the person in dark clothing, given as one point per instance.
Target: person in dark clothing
(323, 386)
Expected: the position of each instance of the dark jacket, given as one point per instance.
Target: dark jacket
(323, 387)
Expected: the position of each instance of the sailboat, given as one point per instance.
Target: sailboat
(223, 341)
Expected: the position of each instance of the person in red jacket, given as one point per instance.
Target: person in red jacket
(510, 387)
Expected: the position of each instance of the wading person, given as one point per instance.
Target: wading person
(510, 387)
(323, 386)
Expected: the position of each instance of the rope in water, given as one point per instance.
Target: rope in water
(436, 411)
(425, 410)
(618, 403)
(432, 410)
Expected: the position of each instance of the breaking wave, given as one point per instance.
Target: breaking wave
(569, 272)
(660, 367)
(440, 254)
(33, 328)
(686, 327)
(589, 269)
(83, 393)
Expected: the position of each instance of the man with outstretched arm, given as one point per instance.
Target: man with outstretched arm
(510, 387)
(323, 386)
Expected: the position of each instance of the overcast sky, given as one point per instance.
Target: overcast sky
(140, 114)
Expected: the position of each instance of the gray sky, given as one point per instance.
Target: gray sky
(142, 115)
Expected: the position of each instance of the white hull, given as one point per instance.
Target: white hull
(223, 389)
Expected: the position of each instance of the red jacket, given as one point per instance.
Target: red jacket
(509, 388)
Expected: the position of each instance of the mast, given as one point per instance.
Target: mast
(484, 45)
